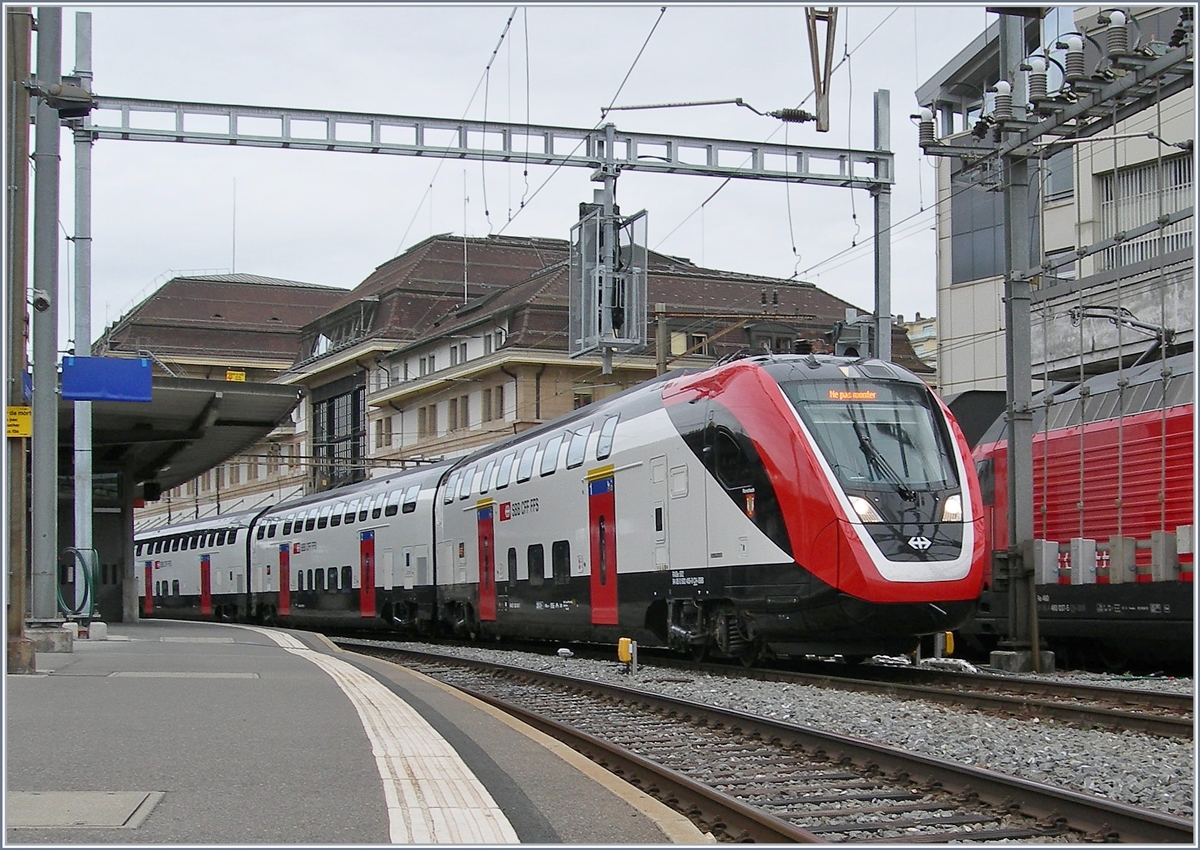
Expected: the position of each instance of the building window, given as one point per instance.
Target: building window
(383, 432)
(582, 398)
(487, 344)
(1058, 176)
(1132, 197)
(464, 412)
(976, 229)
(485, 407)
(427, 421)
(452, 415)
(339, 434)
(235, 472)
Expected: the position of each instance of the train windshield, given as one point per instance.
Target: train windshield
(881, 435)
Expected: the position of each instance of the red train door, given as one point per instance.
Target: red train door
(206, 585)
(487, 561)
(602, 528)
(285, 579)
(148, 602)
(366, 563)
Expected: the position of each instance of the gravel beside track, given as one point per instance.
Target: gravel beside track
(1137, 769)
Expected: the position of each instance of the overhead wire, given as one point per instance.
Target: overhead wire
(662, 10)
(442, 160)
(774, 132)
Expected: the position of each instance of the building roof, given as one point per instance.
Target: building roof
(235, 316)
(523, 284)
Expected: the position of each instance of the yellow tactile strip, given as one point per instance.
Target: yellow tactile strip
(432, 796)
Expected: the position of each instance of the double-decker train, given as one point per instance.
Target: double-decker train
(1113, 457)
(796, 504)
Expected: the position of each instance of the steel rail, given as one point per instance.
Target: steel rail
(1096, 817)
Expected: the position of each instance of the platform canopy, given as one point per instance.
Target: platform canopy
(188, 427)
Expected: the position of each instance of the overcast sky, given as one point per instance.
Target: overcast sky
(330, 218)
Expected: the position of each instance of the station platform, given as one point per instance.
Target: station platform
(173, 732)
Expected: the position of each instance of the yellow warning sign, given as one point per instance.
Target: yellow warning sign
(235, 375)
(20, 422)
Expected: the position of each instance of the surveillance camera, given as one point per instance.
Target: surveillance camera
(41, 301)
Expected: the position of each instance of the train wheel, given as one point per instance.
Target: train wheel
(752, 654)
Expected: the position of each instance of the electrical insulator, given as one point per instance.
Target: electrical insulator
(1003, 110)
(1117, 35)
(792, 116)
(1038, 85)
(1074, 61)
(925, 127)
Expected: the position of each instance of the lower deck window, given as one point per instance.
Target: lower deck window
(560, 557)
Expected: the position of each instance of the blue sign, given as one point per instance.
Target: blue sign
(106, 379)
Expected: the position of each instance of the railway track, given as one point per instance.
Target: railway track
(1087, 705)
(747, 778)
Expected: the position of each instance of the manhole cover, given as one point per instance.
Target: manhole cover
(58, 809)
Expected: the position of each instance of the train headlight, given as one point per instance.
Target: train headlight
(864, 509)
(952, 510)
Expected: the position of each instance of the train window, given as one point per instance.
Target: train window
(525, 467)
(311, 586)
(512, 575)
(560, 560)
(323, 516)
(194, 540)
(310, 522)
(504, 473)
(351, 511)
(658, 518)
(604, 444)
(485, 480)
(220, 538)
(271, 530)
(377, 508)
(338, 510)
(175, 587)
(731, 466)
(232, 537)
(393, 503)
(535, 559)
(299, 579)
(468, 481)
(347, 578)
(578, 447)
(364, 508)
(262, 532)
(175, 544)
(154, 546)
(320, 577)
(137, 550)
(451, 489)
(287, 524)
(550, 456)
(333, 578)
(410, 498)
